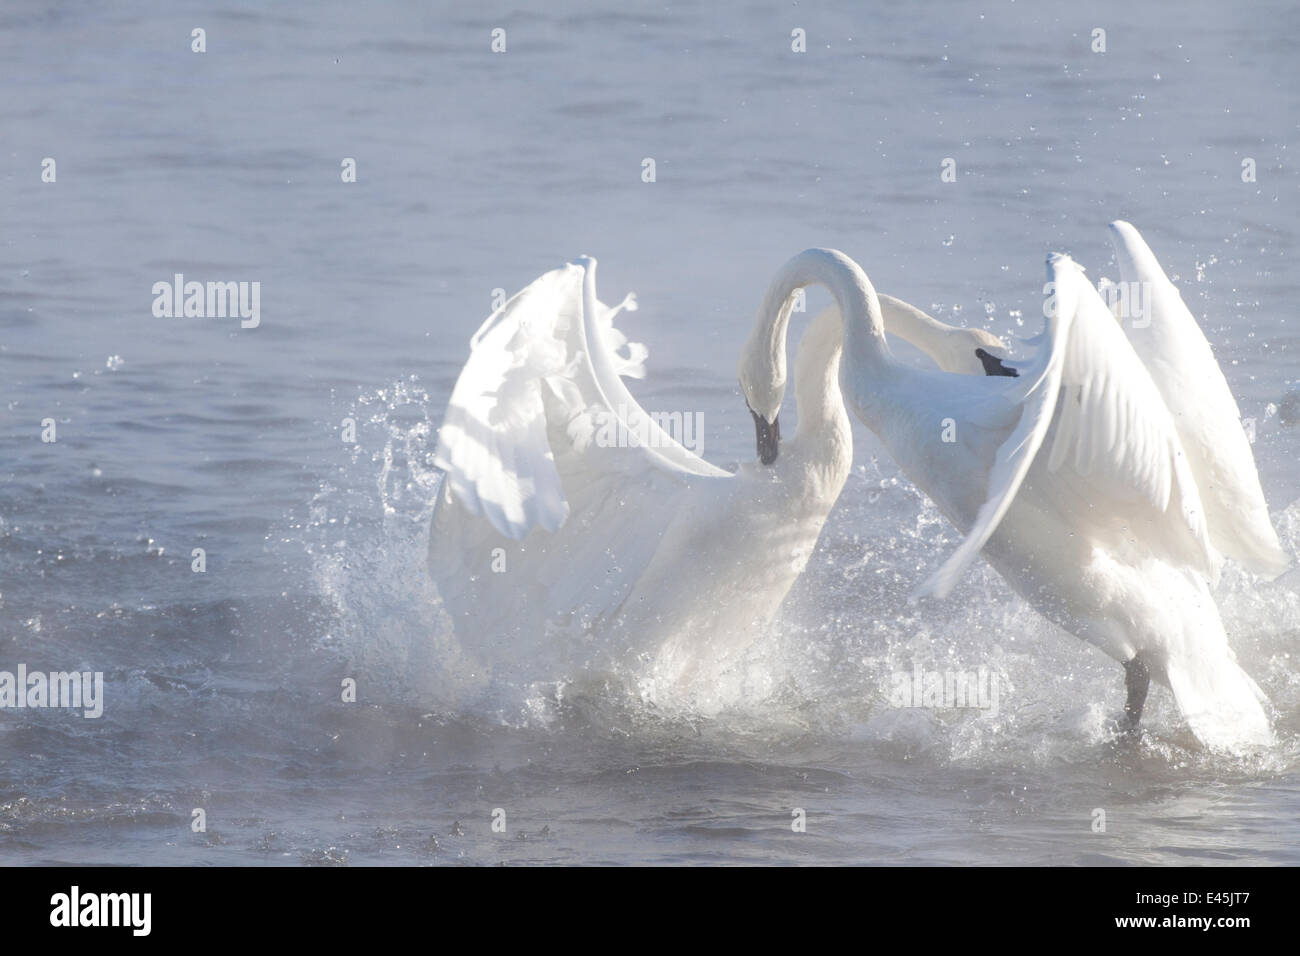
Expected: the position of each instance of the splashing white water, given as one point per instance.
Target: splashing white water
(825, 667)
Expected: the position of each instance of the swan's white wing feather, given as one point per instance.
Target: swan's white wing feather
(541, 514)
(1032, 396)
(1181, 363)
(1113, 449)
(494, 442)
(580, 574)
(1115, 443)
(600, 340)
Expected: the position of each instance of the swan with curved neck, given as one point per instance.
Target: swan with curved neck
(642, 542)
(1102, 531)
(670, 556)
(965, 351)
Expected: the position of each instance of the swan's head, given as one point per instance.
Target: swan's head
(952, 349)
(762, 362)
(767, 437)
(763, 384)
(974, 352)
(964, 351)
(993, 364)
(762, 380)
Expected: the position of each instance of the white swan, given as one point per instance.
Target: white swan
(1102, 531)
(544, 532)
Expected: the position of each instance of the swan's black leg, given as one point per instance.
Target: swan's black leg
(1136, 681)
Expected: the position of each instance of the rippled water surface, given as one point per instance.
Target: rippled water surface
(479, 171)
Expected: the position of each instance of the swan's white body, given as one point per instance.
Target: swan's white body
(542, 534)
(683, 557)
(1070, 478)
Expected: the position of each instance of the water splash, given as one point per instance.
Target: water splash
(823, 668)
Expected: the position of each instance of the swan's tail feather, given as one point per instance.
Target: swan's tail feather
(1223, 707)
(1257, 547)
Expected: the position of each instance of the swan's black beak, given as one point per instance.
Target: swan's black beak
(769, 436)
(993, 365)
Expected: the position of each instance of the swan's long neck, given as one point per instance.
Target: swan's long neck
(822, 417)
(865, 349)
(931, 336)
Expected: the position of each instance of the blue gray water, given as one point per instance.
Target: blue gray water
(478, 171)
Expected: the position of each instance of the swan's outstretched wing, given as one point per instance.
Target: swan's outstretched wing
(554, 340)
(492, 443)
(1022, 407)
(1113, 454)
(558, 483)
(1174, 349)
